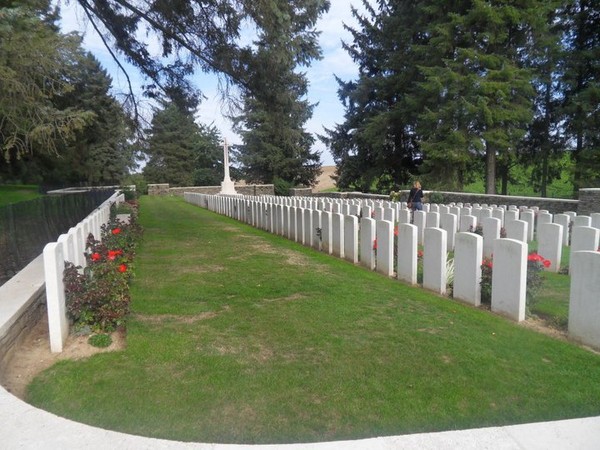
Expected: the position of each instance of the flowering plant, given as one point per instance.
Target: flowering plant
(97, 297)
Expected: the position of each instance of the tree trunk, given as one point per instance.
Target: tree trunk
(490, 170)
(504, 178)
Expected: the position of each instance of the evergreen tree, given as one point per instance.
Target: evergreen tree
(209, 157)
(181, 152)
(276, 148)
(580, 20)
(437, 80)
(34, 59)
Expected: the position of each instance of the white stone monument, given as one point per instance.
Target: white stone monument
(227, 185)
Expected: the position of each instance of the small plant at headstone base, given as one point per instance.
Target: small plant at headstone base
(97, 298)
(486, 281)
(479, 230)
(100, 340)
(450, 276)
(535, 264)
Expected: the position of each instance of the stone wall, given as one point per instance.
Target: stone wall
(249, 189)
(158, 189)
(553, 205)
(16, 333)
(23, 305)
(589, 201)
(300, 192)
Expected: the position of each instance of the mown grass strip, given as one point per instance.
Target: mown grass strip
(244, 337)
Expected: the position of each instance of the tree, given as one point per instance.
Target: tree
(543, 146)
(376, 146)
(209, 157)
(445, 82)
(580, 20)
(276, 147)
(181, 152)
(34, 58)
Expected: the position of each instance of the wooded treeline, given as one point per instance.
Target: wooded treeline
(448, 91)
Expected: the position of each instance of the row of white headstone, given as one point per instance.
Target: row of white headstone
(363, 232)
(69, 247)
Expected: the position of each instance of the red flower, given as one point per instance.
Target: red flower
(419, 253)
(112, 254)
(96, 256)
(547, 263)
(396, 230)
(534, 257)
(116, 230)
(375, 244)
(123, 268)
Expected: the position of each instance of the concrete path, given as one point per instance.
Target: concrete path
(24, 427)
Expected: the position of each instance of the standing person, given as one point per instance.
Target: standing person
(415, 197)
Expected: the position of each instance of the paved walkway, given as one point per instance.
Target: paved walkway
(24, 427)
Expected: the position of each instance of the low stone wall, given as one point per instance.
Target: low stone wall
(23, 305)
(300, 192)
(589, 201)
(248, 189)
(553, 205)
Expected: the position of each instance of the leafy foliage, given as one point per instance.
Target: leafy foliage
(100, 340)
(35, 64)
(99, 296)
(453, 91)
(276, 146)
(182, 152)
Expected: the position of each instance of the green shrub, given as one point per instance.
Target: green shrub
(100, 340)
(98, 297)
(281, 186)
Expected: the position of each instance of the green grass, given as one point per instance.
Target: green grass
(17, 193)
(240, 336)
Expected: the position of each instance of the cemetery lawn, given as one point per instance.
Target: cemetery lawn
(17, 193)
(240, 336)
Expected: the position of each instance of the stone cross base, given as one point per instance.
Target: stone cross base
(228, 188)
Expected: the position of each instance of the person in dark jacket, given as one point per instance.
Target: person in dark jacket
(415, 197)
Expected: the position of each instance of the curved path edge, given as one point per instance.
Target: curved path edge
(23, 426)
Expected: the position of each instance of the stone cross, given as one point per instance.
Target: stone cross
(227, 186)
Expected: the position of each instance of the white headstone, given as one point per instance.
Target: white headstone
(385, 251)
(509, 278)
(351, 238)
(367, 240)
(434, 260)
(584, 303)
(468, 256)
(407, 253)
(550, 244)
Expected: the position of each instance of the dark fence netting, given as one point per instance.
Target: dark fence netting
(26, 227)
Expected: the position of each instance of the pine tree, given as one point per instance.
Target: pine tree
(580, 20)
(276, 147)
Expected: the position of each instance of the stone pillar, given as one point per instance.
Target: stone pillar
(58, 324)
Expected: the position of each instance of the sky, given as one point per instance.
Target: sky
(321, 75)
